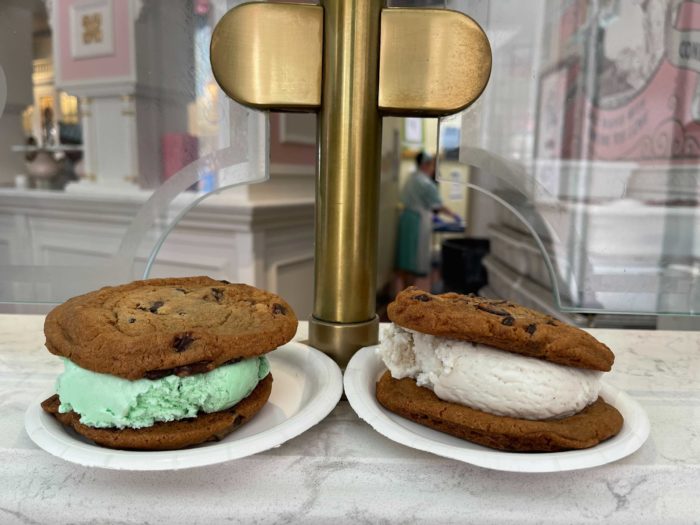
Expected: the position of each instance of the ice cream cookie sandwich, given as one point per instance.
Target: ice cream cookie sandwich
(495, 373)
(164, 363)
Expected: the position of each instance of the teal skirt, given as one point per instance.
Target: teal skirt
(408, 244)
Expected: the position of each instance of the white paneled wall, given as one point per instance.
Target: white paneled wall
(266, 244)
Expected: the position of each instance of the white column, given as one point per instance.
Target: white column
(109, 142)
(89, 160)
(130, 139)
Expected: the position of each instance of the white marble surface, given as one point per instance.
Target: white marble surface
(343, 471)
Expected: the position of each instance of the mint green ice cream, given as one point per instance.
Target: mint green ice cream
(104, 400)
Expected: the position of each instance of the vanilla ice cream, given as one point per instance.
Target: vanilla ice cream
(488, 379)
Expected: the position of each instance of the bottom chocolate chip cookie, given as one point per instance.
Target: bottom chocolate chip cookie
(174, 434)
(594, 424)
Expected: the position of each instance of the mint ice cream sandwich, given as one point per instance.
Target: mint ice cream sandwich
(165, 363)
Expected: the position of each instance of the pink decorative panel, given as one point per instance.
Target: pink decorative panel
(84, 70)
(646, 105)
(688, 17)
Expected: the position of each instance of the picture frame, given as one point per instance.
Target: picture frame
(413, 131)
(553, 132)
(91, 25)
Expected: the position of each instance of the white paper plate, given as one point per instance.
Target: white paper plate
(307, 386)
(366, 367)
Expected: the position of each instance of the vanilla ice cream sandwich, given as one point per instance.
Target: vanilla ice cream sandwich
(495, 373)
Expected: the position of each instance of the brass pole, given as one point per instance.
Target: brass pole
(347, 191)
(302, 57)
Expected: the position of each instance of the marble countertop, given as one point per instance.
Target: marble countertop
(342, 470)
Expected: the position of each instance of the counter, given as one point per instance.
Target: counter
(342, 470)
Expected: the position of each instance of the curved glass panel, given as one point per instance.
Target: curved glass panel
(112, 128)
(589, 128)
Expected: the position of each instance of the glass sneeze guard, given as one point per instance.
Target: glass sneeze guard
(587, 138)
(581, 155)
(154, 135)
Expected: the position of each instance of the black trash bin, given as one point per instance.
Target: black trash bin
(461, 266)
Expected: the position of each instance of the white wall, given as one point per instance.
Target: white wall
(388, 200)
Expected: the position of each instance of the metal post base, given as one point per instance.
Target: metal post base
(341, 340)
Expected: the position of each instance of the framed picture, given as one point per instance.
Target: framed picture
(91, 28)
(413, 131)
(298, 128)
(555, 115)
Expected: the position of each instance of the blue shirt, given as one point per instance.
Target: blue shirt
(420, 193)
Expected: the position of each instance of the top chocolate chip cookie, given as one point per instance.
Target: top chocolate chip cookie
(163, 326)
(500, 324)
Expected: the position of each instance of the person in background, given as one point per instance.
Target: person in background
(421, 199)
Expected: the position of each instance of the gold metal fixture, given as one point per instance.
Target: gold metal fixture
(268, 56)
(349, 142)
(341, 340)
(352, 61)
(432, 62)
(347, 189)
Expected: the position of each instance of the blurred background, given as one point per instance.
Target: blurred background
(570, 186)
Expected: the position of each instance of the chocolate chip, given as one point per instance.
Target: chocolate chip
(182, 290)
(154, 307)
(198, 367)
(495, 311)
(423, 298)
(186, 370)
(218, 294)
(278, 309)
(531, 328)
(182, 342)
(224, 281)
(132, 320)
(238, 421)
(551, 322)
(156, 374)
(508, 321)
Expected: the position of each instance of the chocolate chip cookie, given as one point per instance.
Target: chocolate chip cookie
(174, 434)
(149, 329)
(500, 324)
(596, 423)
